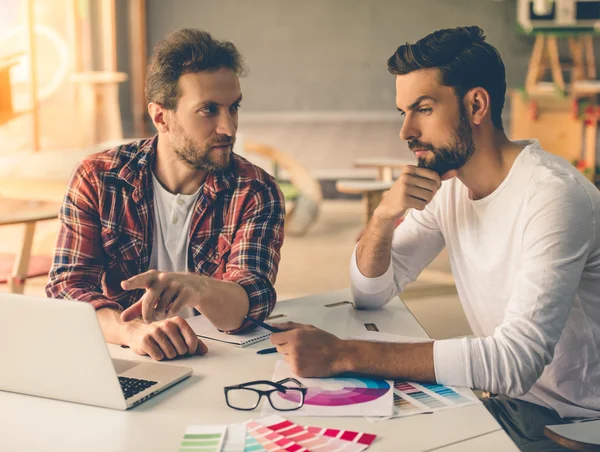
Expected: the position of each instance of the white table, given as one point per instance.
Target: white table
(30, 423)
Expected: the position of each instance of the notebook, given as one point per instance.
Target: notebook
(206, 330)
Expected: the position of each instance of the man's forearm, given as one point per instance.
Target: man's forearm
(388, 360)
(374, 248)
(224, 303)
(113, 328)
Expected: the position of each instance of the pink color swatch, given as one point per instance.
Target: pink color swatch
(313, 441)
(271, 441)
(347, 435)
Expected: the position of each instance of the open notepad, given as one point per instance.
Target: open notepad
(206, 330)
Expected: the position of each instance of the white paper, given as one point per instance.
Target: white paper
(235, 439)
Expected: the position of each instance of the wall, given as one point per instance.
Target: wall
(330, 55)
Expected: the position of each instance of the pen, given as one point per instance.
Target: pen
(267, 351)
(266, 326)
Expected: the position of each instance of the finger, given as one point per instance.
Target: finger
(421, 172)
(190, 338)
(288, 325)
(164, 343)
(171, 329)
(149, 301)
(176, 306)
(141, 281)
(279, 339)
(195, 345)
(152, 349)
(202, 348)
(424, 183)
(164, 302)
(132, 312)
(419, 193)
(449, 174)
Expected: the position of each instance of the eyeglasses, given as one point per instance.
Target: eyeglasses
(287, 394)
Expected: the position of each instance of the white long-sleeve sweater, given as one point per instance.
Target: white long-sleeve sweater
(526, 261)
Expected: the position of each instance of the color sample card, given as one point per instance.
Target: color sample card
(419, 395)
(272, 441)
(404, 407)
(414, 398)
(252, 445)
(448, 394)
(338, 396)
(311, 441)
(347, 435)
(235, 438)
(203, 438)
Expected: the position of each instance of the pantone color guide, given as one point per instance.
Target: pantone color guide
(310, 440)
(414, 398)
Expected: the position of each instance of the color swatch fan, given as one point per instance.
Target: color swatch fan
(339, 396)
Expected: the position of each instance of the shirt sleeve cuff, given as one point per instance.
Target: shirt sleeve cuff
(450, 362)
(367, 285)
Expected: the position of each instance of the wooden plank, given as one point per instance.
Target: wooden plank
(535, 63)
(555, 66)
(19, 274)
(33, 76)
(109, 35)
(138, 54)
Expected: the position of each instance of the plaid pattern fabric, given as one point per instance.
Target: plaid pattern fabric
(107, 221)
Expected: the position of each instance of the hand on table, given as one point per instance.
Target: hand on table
(165, 339)
(309, 351)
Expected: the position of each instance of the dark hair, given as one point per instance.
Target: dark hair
(464, 59)
(183, 51)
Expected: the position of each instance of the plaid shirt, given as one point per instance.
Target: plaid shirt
(107, 222)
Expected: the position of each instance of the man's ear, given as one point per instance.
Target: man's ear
(159, 116)
(477, 103)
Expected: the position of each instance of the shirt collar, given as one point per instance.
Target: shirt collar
(137, 170)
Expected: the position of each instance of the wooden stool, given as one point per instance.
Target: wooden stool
(371, 191)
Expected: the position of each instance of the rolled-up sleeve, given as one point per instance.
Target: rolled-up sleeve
(77, 267)
(255, 252)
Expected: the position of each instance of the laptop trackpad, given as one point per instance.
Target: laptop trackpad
(123, 365)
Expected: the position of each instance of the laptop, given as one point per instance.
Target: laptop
(55, 349)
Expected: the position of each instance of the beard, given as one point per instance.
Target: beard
(203, 157)
(453, 155)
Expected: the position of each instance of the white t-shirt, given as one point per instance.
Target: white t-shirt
(526, 261)
(172, 222)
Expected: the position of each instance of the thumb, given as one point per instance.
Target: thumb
(141, 281)
(449, 174)
(132, 312)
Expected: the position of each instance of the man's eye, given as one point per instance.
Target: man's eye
(235, 107)
(425, 110)
(208, 110)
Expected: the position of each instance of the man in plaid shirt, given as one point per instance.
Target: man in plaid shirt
(157, 227)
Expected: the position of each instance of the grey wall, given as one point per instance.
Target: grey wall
(325, 55)
(331, 54)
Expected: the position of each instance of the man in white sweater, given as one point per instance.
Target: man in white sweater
(522, 228)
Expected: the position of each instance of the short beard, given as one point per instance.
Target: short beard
(453, 156)
(200, 159)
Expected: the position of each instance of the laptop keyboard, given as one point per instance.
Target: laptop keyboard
(131, 386)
